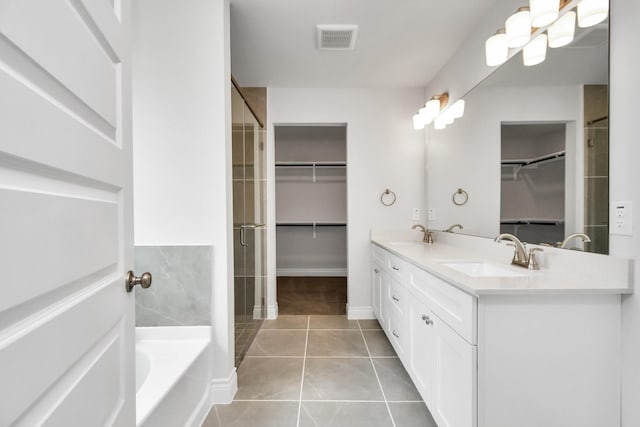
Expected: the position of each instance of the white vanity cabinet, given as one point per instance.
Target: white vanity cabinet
(501, 359)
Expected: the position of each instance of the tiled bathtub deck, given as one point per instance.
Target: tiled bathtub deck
(304, 371)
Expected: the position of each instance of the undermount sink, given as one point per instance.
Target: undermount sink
(406, 243)
(483, 269)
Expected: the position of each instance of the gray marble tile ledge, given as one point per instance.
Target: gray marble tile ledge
(561, 271)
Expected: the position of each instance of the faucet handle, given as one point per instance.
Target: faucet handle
(533, 262)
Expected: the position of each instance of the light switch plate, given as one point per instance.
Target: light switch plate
(415, 216)
(621, 218)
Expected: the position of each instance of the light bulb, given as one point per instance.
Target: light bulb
(432, 109)
(447, 116)
(592, 12)
(518, 28)
(536, 51)
(418, 123)
(543, 12)
(496, 49)
(439, 123)
(561, 32)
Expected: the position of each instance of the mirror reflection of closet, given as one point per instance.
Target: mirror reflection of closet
(311, 218)
(532, 198)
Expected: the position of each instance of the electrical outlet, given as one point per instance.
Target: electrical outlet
(431, 214)
(622, 218)
(416, 214)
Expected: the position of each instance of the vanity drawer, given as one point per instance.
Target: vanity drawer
(379, 256)
(397, 296)
(397, 268)
(456, 308)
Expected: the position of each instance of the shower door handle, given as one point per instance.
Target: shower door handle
(243, 227)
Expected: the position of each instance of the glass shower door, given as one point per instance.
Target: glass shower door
(249, 190)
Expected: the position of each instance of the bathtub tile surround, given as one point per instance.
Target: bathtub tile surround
(332, 379)
(180, 294)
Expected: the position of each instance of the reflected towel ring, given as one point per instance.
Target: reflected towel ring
(388, 192)
(460, 197)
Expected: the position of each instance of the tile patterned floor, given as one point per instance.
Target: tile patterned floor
(322, 371)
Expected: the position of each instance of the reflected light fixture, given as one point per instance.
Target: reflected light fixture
(536, 51)
(496, 48)
(562, 31)
(439, 123)
(418, 123)
(457, 109)
(436, 111)
(592, 12)
(543, 12)
(518, 27)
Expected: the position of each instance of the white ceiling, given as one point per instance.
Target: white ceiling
(400, 43)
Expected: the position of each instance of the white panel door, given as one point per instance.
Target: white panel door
(66, 321)
(454, 396)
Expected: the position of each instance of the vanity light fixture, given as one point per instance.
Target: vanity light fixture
(562, 31)
(537, 18)
(497, 48)
(518, 27)
(592, 12)
(543, 12)
(436, 111)
(536, 51)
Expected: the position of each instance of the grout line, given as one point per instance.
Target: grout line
(304, 363)
(375, 371)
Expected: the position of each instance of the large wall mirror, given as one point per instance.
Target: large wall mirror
(531, 151)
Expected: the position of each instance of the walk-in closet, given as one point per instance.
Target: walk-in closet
(311, 218)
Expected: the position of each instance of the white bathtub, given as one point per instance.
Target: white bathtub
(171, 375)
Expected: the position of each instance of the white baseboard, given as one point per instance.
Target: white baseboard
(312, 272)
(223, 389)
(257, 312)
(360, 312)
(272, 311)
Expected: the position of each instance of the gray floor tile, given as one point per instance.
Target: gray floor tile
(340, 379)
(411, 415)
(332, 322)
(286, 322)
(275, 342)
(369, 324)
(253, 414)
(269, 379)
(344, 414)
(336, 343)
(378, 344)
(395, 380)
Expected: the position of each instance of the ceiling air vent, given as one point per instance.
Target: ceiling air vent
(336, 37)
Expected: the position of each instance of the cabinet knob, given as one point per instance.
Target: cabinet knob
(395, 334)
(395, 268)
(395, 298)
(376, 270)
(427, 319)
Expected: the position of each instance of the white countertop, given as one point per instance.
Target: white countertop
(561, 271)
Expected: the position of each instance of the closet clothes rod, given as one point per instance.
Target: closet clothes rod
(532, 221)
(310, 164)
(311, 224)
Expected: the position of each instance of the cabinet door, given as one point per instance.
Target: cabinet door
(454, 395)
(421, 348)
(376, 275)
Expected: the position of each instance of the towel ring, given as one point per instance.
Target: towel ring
(460, 197)
(386, 193)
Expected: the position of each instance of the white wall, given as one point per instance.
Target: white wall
(383, 151)
(467, 154)
(624, 140)
(182, 144)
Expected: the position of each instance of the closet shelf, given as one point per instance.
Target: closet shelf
(311, 223)
(535, 160)
(311, 164)
(532, 221)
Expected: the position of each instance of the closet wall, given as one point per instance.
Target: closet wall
(311, 200)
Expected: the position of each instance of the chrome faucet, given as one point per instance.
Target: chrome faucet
(450, 229)
(584, 237)
(520, 256)
(428, 235)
